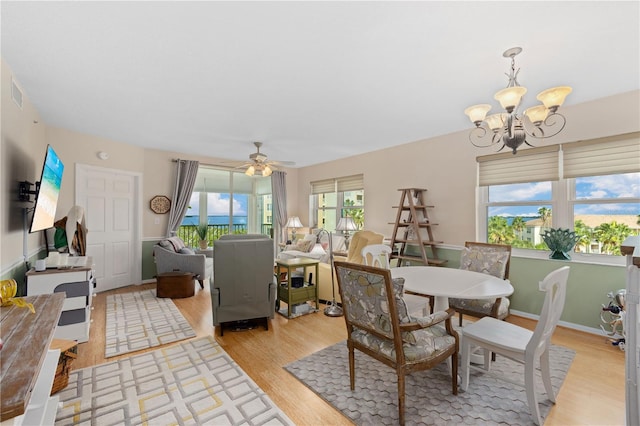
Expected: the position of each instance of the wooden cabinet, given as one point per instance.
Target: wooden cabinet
(77, 284)
(413, 228)
(28, 365)
(291, 295)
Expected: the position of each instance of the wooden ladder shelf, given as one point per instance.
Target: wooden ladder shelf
(413, 228)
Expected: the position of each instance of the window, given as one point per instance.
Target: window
(592, 188)
(229, 203)
(333, 199)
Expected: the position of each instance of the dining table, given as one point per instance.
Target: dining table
(443, 283)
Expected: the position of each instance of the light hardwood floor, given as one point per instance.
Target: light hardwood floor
(592, 394)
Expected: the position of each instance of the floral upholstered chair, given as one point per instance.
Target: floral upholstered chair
(491, 259)
(379, 325)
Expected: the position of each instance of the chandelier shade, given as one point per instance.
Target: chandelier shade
(510, 128)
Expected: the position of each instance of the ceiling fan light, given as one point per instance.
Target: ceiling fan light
(537, 114)
(510, 97)
(554, 98)
(267, 171)
(477, 113)
(250, 171)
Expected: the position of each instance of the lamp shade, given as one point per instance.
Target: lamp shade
(537, 114)
(250, 171)
(554, 97)
(346, 224)
(477, 113)
(294, 222)
(510, 97)
(496, 121)
(267, 171)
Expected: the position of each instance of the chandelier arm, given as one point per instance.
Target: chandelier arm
(551, 126)
(478, 137)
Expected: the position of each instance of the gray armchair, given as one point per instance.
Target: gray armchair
(171, 255)
(243, 286)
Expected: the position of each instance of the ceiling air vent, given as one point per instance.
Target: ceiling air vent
(16, 93)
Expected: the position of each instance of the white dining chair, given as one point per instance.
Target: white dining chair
(378, 255)
(518, 343)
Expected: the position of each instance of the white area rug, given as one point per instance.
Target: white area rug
(140, 320)
(191, 383)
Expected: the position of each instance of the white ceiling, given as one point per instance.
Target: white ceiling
(314, 81)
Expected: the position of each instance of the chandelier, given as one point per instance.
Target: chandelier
(511, 128)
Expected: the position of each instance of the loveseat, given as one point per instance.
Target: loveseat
(171, 255)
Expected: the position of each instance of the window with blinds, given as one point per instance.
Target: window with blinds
(332, 199)
(591, 187)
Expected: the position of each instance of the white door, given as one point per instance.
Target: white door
(110, 199)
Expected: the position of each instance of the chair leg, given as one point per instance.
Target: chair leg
(454, 373)
(201, 283)
(460, 319)
(352, 361)
(529, 385)
(546, 375)
(401, 397)
(465, 347)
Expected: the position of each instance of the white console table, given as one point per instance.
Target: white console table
(77, 284)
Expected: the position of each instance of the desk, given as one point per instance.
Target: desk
(444, 283)
(292, 295)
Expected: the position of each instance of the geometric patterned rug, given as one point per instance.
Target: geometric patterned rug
(190, 383)
(428, 397)
(140, 320)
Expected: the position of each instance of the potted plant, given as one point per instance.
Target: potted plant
(202, 230)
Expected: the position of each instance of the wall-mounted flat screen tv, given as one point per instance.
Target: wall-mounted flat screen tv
(44, 212)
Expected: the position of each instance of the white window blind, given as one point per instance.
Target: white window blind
(605, 156)
(351, 183)
(347, 183)
(529, 165)
(323, 186)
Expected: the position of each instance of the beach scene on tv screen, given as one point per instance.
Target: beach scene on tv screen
(47, 200)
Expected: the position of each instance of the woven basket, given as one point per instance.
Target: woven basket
(68, 353)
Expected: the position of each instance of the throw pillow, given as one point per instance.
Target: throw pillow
(304, 245)
(165, 244)
(186, 250)
(177, 243)
(488, 261)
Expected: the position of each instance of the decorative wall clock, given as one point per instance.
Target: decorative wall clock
(160, 204)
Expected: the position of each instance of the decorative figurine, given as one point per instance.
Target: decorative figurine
(560, 242)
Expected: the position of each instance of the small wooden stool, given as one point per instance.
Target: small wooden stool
(175, 285)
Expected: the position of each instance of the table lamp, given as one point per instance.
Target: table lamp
(293, 223)
(346, 225)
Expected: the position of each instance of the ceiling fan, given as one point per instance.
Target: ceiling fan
(259, 164)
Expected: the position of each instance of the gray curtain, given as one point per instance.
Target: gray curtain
(186, 172)
(279, 195)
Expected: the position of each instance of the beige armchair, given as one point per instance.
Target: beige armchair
(379, 325)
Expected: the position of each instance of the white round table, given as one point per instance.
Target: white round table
(444, 283)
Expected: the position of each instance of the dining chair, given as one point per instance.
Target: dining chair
(520, 344)
(378, 255)
(379, 325)
(492, 259)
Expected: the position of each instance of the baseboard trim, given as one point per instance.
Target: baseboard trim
(565, 324)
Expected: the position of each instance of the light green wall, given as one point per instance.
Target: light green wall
(586, 290)
(148, 265)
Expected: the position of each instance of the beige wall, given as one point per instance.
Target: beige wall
(446, 167)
